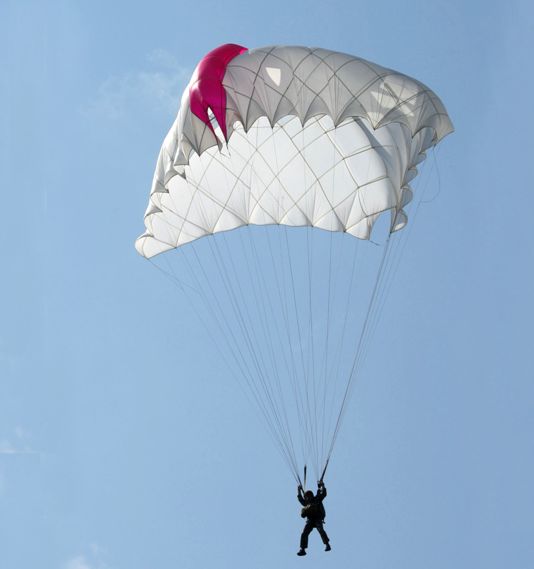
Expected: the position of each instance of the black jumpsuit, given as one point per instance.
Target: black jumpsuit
(314, 516)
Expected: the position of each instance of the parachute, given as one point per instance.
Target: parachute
(301, 150)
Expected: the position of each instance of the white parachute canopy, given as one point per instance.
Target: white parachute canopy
(297, 137)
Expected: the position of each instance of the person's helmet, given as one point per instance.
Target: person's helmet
(309, 494)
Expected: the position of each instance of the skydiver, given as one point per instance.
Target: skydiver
(314, 512)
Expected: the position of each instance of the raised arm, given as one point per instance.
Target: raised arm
(321, 491)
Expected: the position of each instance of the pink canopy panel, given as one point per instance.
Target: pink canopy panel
(206, 86)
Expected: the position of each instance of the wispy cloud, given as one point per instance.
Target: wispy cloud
(18, 443)
(91, 560)
(155, 88)
(78, 562)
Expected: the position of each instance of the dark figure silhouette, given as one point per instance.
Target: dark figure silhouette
(313, 511)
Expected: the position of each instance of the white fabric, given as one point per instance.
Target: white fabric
(365, 130)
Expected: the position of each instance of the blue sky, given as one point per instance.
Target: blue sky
(123, 442)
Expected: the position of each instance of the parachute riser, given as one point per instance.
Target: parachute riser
(324, 471)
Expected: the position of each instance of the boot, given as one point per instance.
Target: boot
(301, 552)
(327, 548)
